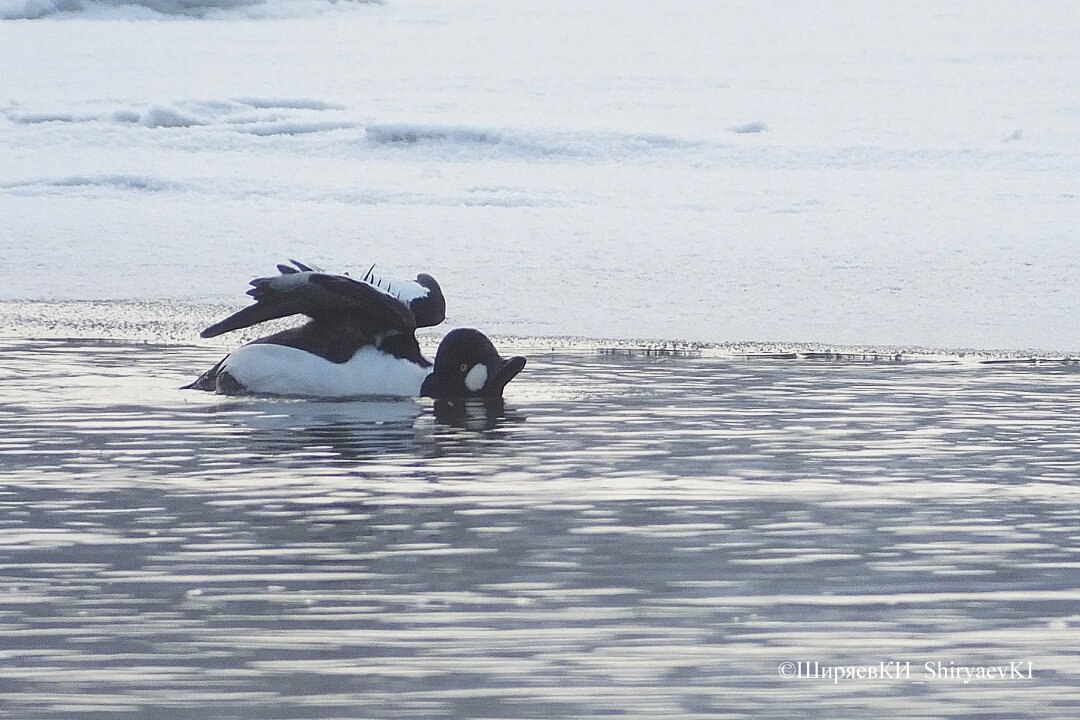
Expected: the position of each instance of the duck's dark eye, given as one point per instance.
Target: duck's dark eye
(463, 367)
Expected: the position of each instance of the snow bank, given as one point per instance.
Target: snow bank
(37, 9)
(411, 134)
(46, 186)
(219, 119)
(523, 143)
(868, 175)
(160, 116)
(756, 126)
(256, 116)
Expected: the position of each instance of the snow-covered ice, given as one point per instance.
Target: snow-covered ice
(842, 172)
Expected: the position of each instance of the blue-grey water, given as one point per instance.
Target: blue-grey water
(632, 535)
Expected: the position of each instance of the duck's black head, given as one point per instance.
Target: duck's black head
(468, 365)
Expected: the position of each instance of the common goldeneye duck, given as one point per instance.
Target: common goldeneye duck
(360, 340)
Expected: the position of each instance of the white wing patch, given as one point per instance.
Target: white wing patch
(404, 290)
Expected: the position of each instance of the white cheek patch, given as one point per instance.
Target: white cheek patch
(476, 377)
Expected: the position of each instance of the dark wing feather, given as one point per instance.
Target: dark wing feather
(334, 299)
(429, 310)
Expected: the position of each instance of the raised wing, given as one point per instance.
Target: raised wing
(423, 295)
(321, 297)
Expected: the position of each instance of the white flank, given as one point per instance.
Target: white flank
(281, 370)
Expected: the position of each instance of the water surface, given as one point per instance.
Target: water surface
(632, 534)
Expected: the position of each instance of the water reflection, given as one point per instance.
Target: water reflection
(643, 535)
(474, 414)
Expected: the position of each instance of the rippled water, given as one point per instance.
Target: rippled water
(632, 535)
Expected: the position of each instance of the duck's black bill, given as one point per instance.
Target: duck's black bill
(503, 375)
